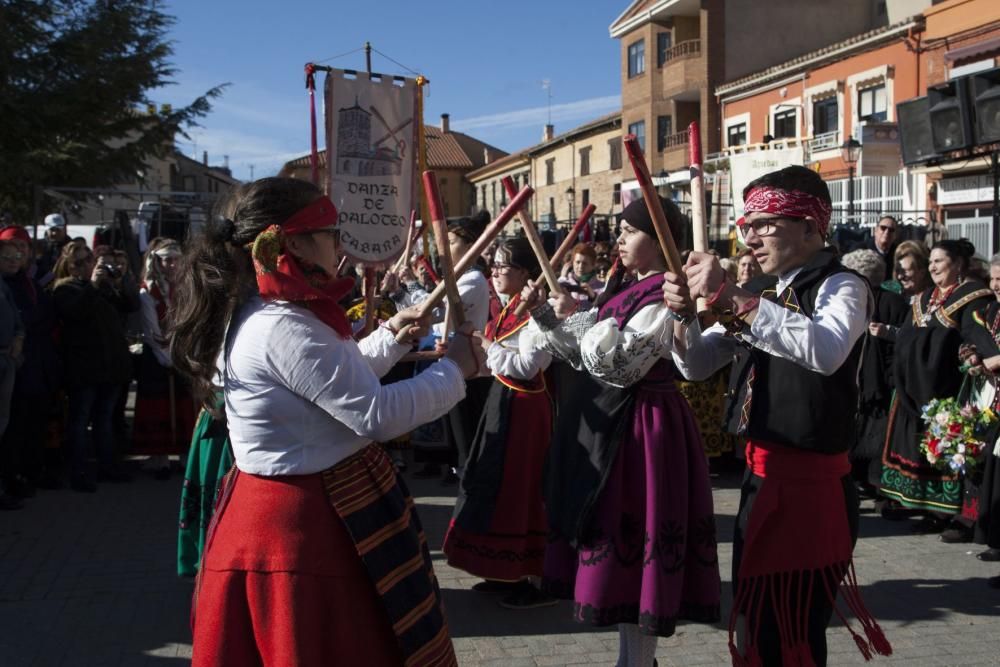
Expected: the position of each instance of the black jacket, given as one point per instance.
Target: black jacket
(92, 332)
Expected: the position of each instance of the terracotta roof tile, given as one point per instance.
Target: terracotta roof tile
(452, 150)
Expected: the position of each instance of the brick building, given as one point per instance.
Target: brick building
(567, 171)
(821, 99)
(675, 52)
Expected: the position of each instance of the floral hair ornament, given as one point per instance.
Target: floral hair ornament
(790, 203)
(283, 277)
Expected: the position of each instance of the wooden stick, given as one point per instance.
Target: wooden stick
(698, 220)
(534, 240)
(484, 240)
(368, 284)
(405, 257)
(660, 224)
(444, 252)
(564, 249)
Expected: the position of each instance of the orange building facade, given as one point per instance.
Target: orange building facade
(821, 100)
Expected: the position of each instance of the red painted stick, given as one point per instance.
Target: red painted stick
(484, 240)
(564, 249)
(653, 204)
(441, 240)
(534, 240)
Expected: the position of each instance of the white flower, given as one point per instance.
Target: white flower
(941, 418)
(960, 449)
(958, 460)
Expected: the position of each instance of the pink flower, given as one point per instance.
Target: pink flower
(967, 411)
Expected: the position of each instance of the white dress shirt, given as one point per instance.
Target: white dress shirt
(299, 398)
(844, 306)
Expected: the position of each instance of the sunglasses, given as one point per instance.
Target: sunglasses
(887, 229)
(16, 255)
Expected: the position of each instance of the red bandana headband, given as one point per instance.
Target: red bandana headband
(281, 276)
(791, 203)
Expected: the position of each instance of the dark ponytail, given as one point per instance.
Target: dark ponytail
(216, 276)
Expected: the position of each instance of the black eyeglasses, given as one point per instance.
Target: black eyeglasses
(764, 226)
(884, 228)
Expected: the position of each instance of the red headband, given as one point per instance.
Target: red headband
(317, 215)
(14, 233)
(791, 203)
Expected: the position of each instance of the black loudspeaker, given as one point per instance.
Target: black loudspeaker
(951, 120)
(985, 90)
(915, 131)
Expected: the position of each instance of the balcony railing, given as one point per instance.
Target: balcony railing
(824, 142)
(675, 140)
(687, 49)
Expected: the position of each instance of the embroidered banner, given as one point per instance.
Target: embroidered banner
(371, 147)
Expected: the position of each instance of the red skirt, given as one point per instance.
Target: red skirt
(512, 545)
(282, 584)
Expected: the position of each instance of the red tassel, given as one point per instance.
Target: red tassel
(862, 645)
(878, 640)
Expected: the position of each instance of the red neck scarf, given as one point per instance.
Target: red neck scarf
(791, 203)
(283, 277)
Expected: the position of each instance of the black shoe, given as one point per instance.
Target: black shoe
(113, 474)
(429, 471)
(450, 478)
(989, 556)
(493, 586)
(527, 597)
(10, 503)
(993, 582)
(81, 484)
(162, 474)
(929, 525)
(956, 535)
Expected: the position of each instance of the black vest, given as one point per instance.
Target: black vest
(791, 405)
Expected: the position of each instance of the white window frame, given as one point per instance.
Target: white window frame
(824, 90)
(794, 104)
(738, 119)
(877, 76)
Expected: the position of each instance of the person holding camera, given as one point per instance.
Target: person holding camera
(91, 304)
(164, 409)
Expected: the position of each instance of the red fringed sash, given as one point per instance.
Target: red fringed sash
(797, 539)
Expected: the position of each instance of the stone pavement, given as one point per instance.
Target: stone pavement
(89, 580)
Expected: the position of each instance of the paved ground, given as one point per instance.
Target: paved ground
(89, 580)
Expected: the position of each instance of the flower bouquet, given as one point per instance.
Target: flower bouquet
(953, 439)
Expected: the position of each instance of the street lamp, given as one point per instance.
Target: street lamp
(850, 152)
(571, 198)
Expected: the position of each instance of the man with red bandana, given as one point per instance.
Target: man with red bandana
(795, 336)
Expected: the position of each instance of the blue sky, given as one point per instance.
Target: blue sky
(486, 63)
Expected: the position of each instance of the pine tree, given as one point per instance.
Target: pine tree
(75, 78)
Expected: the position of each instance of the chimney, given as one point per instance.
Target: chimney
(445, 125)
(548, 132)
(486, 155)
(204, 158)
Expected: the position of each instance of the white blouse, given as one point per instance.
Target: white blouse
(517, 357)
(300, 399)
(616, 356)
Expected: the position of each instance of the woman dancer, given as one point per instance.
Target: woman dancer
(499, 530)
(627, 481)
(315, 554)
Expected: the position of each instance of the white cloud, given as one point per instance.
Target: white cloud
(538, 116)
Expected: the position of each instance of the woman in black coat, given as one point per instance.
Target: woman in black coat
(91, 308)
